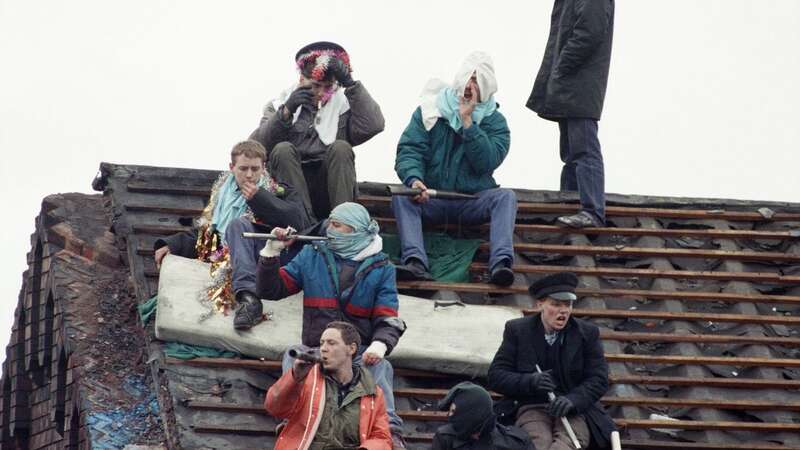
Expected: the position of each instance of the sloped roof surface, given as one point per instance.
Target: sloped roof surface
(697, 300)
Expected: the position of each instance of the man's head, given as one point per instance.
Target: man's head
(554, 295)
(469, 409)
(314, 61)
(247, 161)
(338, 345)
(476, 77)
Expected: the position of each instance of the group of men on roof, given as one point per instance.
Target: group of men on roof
(297, 172)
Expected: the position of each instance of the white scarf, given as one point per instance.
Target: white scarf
(326, 123)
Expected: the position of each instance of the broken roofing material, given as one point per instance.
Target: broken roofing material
(664, 357)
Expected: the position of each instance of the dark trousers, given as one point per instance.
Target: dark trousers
(548, 433)
(243, 253)
(322, 184)
(583, 165)
(496, 206)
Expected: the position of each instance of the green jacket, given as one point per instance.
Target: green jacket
(444, 159)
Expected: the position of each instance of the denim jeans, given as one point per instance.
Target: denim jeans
(583, 165)
(382, 373)
(497, 206)
(243, 253)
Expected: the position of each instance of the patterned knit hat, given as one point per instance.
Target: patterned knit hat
(313, 59)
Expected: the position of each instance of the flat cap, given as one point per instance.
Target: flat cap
(559, 286)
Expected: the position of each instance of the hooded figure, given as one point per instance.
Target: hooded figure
(457, 138)
(472, 425)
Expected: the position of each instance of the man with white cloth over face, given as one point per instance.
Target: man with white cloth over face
(310, 129)
(346, 278)
(457, 138)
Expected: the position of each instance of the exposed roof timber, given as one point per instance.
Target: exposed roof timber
(637, 294)
(625, 211)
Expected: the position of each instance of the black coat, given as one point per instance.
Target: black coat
(572, 78)
(500, 438)
(583, 369)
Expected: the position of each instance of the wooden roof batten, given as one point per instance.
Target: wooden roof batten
(782, 292)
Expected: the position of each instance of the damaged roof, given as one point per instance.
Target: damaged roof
(697, 301)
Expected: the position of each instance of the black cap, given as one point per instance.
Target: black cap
(321, 45)
(560, 286)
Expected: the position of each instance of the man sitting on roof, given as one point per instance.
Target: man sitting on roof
(311, 128)
(570, 355)
(472, 424)
(246, 198)
(455, 141)
(345, 278)
(331, 404)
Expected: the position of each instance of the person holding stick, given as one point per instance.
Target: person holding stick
(573, 370)
(328, 401)
(455, 141)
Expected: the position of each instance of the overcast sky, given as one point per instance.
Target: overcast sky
(703, 98)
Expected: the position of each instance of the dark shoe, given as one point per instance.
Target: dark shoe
(397, 441)
(413, 270)
(581, 220)
(248, 311)
(502, 275)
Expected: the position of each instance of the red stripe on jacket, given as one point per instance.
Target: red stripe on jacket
(320, 302)
(288, 281)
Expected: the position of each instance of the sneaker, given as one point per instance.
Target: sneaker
(413, 270)
(502, 275)
(581, 220)
(397, 441)
(248, 311)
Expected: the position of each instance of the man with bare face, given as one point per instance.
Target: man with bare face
(570, 355)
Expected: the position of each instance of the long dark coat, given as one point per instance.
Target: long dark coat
(574, 73)
(583, 369)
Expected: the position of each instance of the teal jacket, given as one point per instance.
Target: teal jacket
(462, 161)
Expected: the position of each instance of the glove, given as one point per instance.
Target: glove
(272, 248)
(377, 348)
(543, 381)
(560, 407)
(300, 96)
(341, 72)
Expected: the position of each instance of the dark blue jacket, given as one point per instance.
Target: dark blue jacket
(370, 304)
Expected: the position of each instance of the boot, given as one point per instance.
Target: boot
(248, 311)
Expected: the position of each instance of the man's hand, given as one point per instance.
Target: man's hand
(467, 106)
(160, 254)
(543, 382)
(301, 96)
(341, 73)
(248, 189)
(300, 369)
(374, 353)
(560, 407)
(273, 247)
(423, 197)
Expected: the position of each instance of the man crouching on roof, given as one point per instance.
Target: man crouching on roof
(331, 404)
(245, 198)
(345, 278)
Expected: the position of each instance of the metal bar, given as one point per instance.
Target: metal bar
(272, 237)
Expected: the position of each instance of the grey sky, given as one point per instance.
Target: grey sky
(703, 98)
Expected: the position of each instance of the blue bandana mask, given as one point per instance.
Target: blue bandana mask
(348, 245)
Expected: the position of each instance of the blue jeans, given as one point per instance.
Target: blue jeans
(583, 165)
(497, 206)
(243, 253)
(382, 373)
